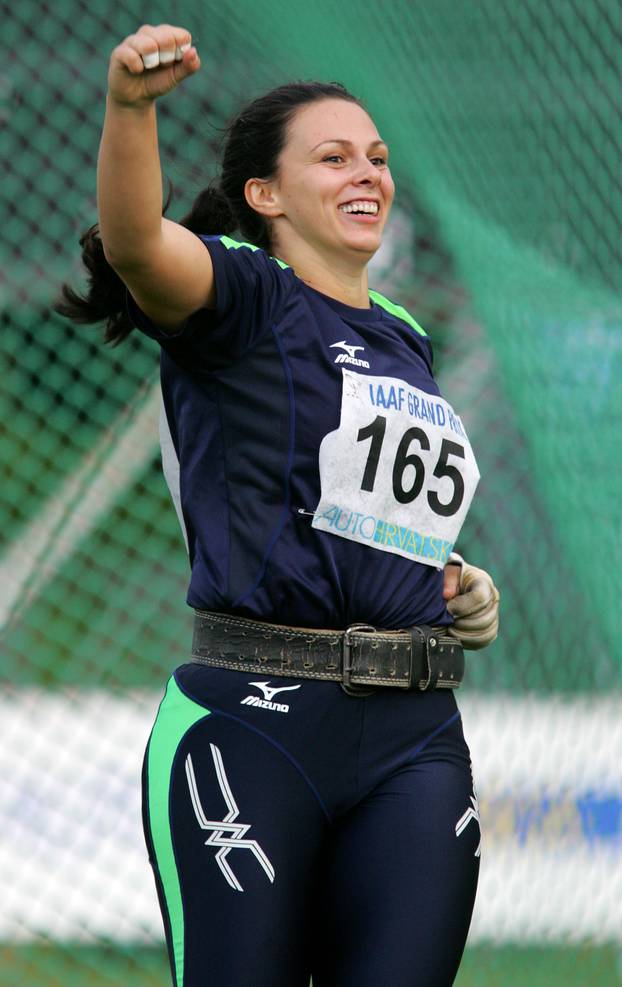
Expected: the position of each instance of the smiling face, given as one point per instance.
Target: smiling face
(333, 190)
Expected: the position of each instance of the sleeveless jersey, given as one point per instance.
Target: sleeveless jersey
(319, 476)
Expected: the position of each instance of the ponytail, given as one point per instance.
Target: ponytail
(211, 213)
(105, 299)
(254, 143)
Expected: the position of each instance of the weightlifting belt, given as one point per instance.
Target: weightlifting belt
(420, 658)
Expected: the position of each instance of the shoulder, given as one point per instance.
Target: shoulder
(397, 311)
(243, 253)
(408, 328)
(250, 285)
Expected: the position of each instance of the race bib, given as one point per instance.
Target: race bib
(399, 473)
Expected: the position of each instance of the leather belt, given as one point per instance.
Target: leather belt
(420, 658)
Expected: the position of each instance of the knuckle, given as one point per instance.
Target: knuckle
(142, 42)
(124, 53)
(175, 35)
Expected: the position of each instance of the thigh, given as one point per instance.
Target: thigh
(233, 832)
(399, 884)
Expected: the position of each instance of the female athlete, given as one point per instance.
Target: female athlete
(308, 800)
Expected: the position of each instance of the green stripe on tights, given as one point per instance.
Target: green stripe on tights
(175, 716)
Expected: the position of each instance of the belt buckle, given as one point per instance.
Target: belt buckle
(347, 645)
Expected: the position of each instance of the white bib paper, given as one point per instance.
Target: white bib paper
(399, 473)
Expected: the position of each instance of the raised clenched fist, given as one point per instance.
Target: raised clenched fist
(150, 63)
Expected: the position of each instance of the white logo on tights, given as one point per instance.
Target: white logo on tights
(226, 834)
(269, 692)
(471, 813)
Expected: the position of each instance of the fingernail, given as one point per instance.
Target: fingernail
(166, 57)
(151, 60)
(179, 51)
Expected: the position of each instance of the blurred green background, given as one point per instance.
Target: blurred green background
(506, 244)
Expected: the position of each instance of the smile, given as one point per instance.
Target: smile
(363, 206)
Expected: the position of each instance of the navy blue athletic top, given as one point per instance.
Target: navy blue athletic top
(250, 391)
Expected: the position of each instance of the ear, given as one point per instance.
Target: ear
(262, 197)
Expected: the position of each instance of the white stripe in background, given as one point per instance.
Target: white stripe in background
(72, 513)
(74, 866)
(549, 775)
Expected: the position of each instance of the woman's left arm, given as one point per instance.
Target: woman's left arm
(473, 601)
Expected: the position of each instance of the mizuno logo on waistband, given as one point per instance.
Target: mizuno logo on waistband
(269, 692)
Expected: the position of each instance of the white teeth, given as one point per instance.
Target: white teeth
(368, 207)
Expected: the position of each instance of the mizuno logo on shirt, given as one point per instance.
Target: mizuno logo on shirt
(348, 356)
(269, 693)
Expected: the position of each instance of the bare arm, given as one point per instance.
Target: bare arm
(166, 267)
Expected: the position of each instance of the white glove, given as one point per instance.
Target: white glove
(476, 608)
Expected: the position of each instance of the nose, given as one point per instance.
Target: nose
(366, 173)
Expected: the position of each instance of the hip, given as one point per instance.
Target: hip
(344, 744)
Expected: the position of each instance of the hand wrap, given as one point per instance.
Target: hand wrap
(476, 608)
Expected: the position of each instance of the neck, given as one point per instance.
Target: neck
(339, 277)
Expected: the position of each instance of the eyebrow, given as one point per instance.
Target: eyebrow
(341, 140)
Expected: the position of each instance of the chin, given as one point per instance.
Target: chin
(365, 245)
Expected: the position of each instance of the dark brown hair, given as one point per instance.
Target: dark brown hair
(253, 143)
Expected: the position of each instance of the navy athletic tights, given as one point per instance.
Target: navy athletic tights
(296, 831)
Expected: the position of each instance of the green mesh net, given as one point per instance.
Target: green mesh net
(506, 244)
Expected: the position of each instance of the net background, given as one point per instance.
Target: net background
(505, 130)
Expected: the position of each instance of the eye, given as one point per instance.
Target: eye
(379, 161)
(333, 157)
